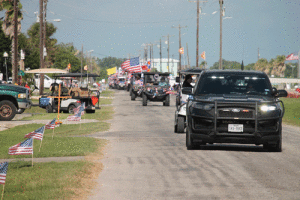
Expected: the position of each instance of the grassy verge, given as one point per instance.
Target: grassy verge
(292, 111)
(107, 93)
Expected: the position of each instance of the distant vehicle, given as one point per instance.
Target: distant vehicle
(136, 86)
(9, 81)
(121, 84)
(156, 88)
(47, 81)
(232, 106)
(181, 99)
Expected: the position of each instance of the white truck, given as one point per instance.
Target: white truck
(47, 81)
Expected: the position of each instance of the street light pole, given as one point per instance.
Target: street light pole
(41, 87)
(5, 55)
(221, 15)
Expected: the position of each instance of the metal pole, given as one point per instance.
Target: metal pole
(179, 47)
(298, 65)
(160, 57)
(221, 13)
(41, 88)
(6, 69)
(197, 40)
(15, 55)
(81, 63)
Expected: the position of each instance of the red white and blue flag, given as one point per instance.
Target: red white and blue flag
(37, 134)
(132, 65)
(3, 172)
(51, 125)
(292, 56)
(23, 148)
(78, 113)
(79, 108)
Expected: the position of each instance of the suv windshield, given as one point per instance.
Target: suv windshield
(217, 83)
(157, 79)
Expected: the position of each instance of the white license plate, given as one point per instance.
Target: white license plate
(235, 127)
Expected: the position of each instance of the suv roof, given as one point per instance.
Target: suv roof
(234, 71)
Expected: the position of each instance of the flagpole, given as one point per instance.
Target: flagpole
(41, 145)
(3, 191)
(52, 134)
(32, 151)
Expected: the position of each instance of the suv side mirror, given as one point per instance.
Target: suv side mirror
(282, 93)
(177, 79)
(187, 90)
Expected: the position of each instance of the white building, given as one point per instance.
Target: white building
(164, 66)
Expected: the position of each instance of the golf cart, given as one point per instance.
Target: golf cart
(136, 86)
(181, 99)
(156, 88)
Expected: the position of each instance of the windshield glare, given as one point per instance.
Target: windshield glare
(233, 84)
(161, 80)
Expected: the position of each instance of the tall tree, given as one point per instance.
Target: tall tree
(8, 23)
(5, 46)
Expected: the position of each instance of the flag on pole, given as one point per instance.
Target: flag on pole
(3, 172)
(37, 134)
(125, 65)
(203, 55)
(292, 56)
(135, 65)
(23, 148)
(85, 67)
(69, 66)
(181, 50)
(76, 116)
(79, 108)
(51, 125)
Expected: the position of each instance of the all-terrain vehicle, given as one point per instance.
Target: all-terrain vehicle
(234, 107)
(181, 99)
(156, 88)
(121, 84)
(136, 86)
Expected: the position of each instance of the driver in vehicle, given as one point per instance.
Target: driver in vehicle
(187, 81)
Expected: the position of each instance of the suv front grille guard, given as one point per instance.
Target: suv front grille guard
(253, 105)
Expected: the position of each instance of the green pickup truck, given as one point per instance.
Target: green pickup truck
(13, 100)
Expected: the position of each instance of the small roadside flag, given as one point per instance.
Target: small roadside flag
(85, 67)
(3, 171)
(37, 134)
(51, 125)
(23, 148)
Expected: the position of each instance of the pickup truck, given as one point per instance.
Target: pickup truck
(13, 100)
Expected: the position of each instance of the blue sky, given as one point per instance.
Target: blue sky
(120, 27)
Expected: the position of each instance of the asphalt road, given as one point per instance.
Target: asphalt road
(145, 159)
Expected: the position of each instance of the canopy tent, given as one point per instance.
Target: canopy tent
(46, 71)
(77, 75)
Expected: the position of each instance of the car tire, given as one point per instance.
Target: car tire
(71, 108)
(278, 146)
(190, 145)
(132, 96)
(49, 109)
(167, 101)
(144, 100)
(180, 124)
(20, 110)
(7, 110)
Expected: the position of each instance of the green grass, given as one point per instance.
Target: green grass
(44, 180)
(104, 113)
(107, 93)
(61, 145)
(292, 111)
(105, 101)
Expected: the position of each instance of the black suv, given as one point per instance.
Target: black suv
(234, 107)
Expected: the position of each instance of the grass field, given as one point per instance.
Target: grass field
(292, 111)
(55, 180)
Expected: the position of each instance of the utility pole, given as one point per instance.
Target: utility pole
(81, 62)
(41, 88)
(15, 47)
(44, 31)
(258, 54)
(179, 27)
(221, 2)
(187, 54)
(168, 41)
(197, 35)
(160, 55)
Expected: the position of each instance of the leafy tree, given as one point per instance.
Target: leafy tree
(64, 55)
(108, 62)
(5, 46)
(227, 65)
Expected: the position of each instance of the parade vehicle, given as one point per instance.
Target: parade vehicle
(13, 100)
(181, 99)
(69, 98)
(234, 107)
(121, 84)
(136, 86)
(156, 88)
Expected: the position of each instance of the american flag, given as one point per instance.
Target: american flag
(23, 148)
(292, 56)
(79, 108)
(125, 65)
(3, 171)
(75, 117)
(37, 134)
(132, 65)
(51, 125)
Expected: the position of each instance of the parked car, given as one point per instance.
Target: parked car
(234, 107)
(156, 88)
(181, 99)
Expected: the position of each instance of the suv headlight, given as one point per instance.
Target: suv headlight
(272, 107)
(22, 96)
(203, 106)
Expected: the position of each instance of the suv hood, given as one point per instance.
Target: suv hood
(11, 87)
(234, 97)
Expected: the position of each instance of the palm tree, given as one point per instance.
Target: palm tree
(8, 23)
